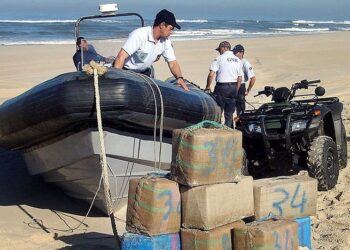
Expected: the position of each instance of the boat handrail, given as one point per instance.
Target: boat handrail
(77, 23)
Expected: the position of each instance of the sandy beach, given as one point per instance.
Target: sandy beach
(34, 215)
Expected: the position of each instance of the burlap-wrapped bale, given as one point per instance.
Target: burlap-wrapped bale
(154, 206)
(273, 233)
(206, 153)
(219, 238)
(288, 196)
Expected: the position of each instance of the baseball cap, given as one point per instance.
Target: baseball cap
(167, 17)
(238, 48)
(224, 44)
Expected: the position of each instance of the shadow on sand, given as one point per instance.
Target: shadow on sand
(17, 187)
(91, 240)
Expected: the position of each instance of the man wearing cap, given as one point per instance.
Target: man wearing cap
(249, 76)
(145, 45)
(86, 53)
(227, 69)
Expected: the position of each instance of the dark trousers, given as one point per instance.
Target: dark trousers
(240, 102)
(226, 98)
(148, 72)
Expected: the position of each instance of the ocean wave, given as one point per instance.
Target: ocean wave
(33, 42)
(63, 21)
(300, 29)
(37, 21)
(344, 29)
(206, 32)
(108, 21)
(320, 22)
(192, 21)
(54, 42)
(308, 24)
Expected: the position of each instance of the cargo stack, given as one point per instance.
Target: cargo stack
(153, 215)
(214, 197)
(291, 197)
(270, 233)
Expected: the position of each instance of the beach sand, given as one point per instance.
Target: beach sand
(34, 215)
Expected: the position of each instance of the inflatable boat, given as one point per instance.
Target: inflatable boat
(66, 105)
(54, 124)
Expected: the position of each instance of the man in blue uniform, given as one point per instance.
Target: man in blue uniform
(86, 53)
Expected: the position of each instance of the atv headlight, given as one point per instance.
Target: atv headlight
(254, 128)
(299, 126)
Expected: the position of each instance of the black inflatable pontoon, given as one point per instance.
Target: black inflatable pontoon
(66, 105)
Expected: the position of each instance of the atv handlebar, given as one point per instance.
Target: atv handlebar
(304, 84)
(268, 90)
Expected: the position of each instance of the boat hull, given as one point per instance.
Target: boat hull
(73, 163)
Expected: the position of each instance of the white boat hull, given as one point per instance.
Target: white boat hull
(73, 163)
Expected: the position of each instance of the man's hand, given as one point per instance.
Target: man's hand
(207, 91)
(180, 81)
(246, 93)
(110, 59)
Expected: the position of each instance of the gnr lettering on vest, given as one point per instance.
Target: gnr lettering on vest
(231, 59)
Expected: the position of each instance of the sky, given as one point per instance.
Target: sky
(185, 9)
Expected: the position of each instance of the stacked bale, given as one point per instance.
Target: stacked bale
(292, 197)
(273, 233)
(215, 198)
(153, 215)
(207, 163)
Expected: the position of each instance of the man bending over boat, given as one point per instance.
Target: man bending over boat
(86, 53)
(145, 46)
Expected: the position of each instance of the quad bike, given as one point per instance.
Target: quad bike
(288, 135)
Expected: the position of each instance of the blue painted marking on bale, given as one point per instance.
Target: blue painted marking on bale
(304, 231)
(132, 241)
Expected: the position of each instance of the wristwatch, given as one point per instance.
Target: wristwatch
(180, 77)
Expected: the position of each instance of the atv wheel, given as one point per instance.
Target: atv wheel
(343, 151)
(323, 162)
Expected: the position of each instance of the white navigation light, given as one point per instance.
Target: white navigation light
(111, 8)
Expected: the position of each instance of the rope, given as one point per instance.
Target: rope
(151, 82)
(96, 70)
(90, 207)
(103, 158)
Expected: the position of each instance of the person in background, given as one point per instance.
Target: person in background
(86, 53)
(227, 69)
(248, 78)
(145, 45)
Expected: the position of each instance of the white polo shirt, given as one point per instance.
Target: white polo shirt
(247, 70)
(143, 50)
(227, 66)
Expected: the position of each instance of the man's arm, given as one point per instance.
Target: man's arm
(239, 81)
(76, 60)
(251, 84)
(120, 59)
(210, 78)
(176, 71)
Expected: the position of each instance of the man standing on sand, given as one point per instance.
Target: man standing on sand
(249, 76)
(228, 71)
(145, 45)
